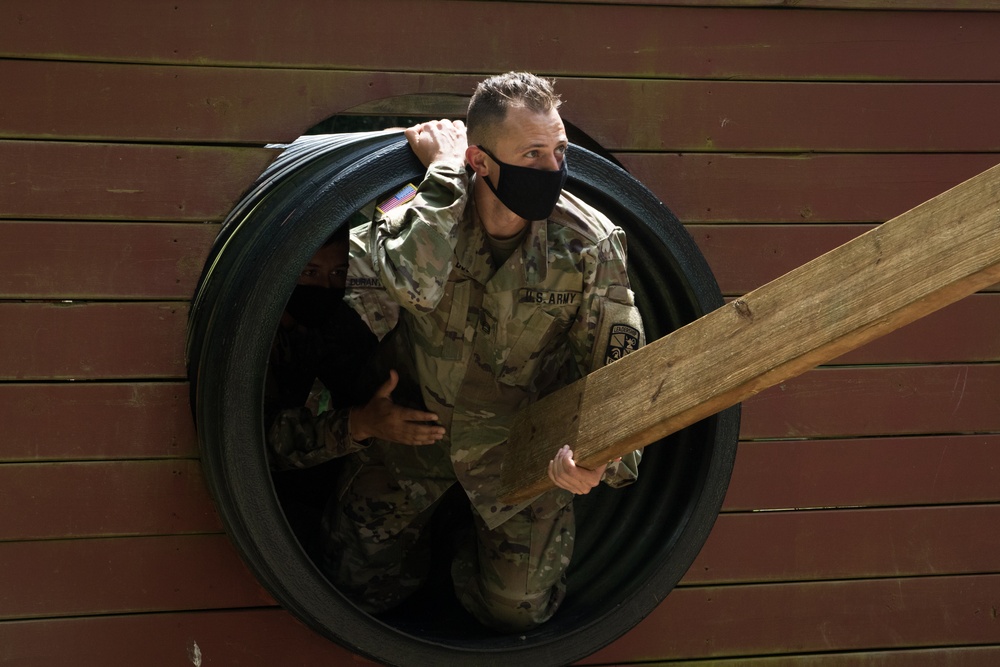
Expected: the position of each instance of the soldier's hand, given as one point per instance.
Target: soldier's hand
(438, 140)
(382, 418)
(566, 474)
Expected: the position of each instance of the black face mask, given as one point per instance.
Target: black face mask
(529, 193)
(312, 305)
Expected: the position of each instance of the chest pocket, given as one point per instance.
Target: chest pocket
(532, 336)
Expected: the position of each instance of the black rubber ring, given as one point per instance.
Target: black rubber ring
(633, 545)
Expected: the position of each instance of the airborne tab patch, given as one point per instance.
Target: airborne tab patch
(623, 340)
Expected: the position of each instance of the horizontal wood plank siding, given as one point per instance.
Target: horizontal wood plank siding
(865, 472)
(249, 638)
(74, 181)
(124, 575)
(43, 500)
(243, 105)
(92, 340)
(96, 420)
(849, 544)
(747, 40)
(80, 260)
(762, 619)
(859, 527)
(69, 180)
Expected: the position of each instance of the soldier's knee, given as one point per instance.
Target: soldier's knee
(513, 614)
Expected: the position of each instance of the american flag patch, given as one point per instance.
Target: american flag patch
(408, 192)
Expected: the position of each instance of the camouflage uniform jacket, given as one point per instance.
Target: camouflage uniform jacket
(488, 341)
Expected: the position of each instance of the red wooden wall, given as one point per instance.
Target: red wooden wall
(860, 527)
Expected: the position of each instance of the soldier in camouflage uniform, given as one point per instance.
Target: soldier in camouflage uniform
(327, 390)
(322, 395)
(510, 289)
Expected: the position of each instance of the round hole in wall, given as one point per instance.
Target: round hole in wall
(633, 545)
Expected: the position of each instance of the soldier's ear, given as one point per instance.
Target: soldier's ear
(477, 161)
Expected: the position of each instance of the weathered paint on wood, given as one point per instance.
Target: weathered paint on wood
(131, 183)
(90, 341)
(763, 619)
(965, 331)
(246, 105)
(923, 260)
(776, 47)
(865, 472)
(47, 500)
(949, 656)
(118, 181)
(79, 260)
(802, 189)
(44, 179)
(124, 575)
(849, 544)
(555, 39)
(872, 401)
(95, 420)
(249, 638)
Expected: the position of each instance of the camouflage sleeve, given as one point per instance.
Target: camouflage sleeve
(300, 439)
(412, 246)
(608, 327)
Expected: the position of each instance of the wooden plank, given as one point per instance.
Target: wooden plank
(762, 619)
(953, 656)
(254, 105)
(719, 188)
(124, 575)
(41, 179)
(248, 638)
(849, 544)
(192, 104)
(766, 116)
(59, 500)
(865, 472)
(78, 341)
(932, 5)
(81, 260)
(906, 400)
(653, 41)
(96, 420)
(965, 331)
(699, 188)
(744, 257)
(893, 275)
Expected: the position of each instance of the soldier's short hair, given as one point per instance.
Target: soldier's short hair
(494, 96)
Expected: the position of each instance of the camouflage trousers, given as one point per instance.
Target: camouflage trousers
(511, 578)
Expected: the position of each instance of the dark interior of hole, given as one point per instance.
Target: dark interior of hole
(666, 302)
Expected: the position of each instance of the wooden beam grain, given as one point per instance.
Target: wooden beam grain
(923, 260)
